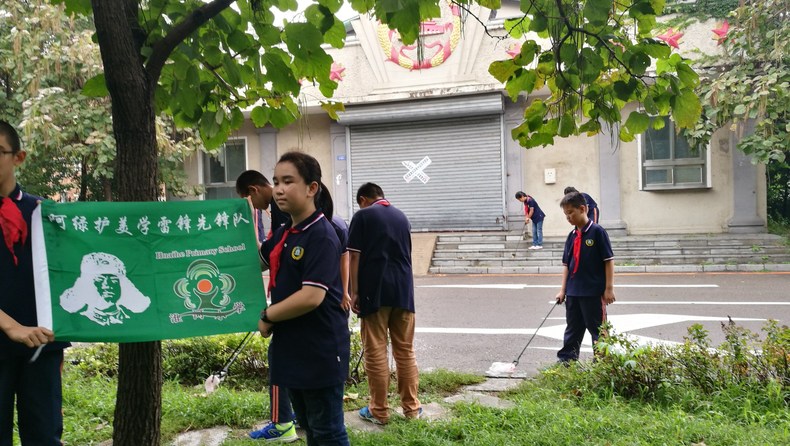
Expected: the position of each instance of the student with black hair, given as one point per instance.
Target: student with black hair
(533, 213)
(310, 346)
(382, 293)
(257, 187)
(593, 213)
(30, 360)
(587, 277)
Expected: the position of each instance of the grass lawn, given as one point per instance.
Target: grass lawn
(546, 413)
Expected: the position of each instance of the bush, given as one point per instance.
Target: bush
(186, 361)
(744, 378)
(93, 360)
(190, 361)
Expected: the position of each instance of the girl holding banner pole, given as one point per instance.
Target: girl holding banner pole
(309, 352)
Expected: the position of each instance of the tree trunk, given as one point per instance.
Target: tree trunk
(83, 180)
(138, 405)
(106, 188)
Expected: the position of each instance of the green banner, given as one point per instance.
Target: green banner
(132, 272)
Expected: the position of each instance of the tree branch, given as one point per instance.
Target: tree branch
(224, 84)
(485, 27)
(130, 10)
(558, 45)
(162, 50)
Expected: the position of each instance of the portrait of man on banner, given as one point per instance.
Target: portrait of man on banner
(102, 292)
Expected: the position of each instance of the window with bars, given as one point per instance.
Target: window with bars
(221, 169)
(669, 162)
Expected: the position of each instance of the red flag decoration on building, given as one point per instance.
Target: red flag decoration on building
(132, 272)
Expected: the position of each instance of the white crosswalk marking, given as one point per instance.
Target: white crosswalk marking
(519, 286)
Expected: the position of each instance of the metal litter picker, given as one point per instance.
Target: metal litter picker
(505, 369)
(523, 235)
(213, 381)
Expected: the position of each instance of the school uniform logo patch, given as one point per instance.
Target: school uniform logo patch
(589, 242)
(297, 252)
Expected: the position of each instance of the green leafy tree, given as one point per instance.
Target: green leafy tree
(747, 88)
(46, 58)
(748, 85)
(778, 193)
(599, 59)
(702, 9)
(203, 62)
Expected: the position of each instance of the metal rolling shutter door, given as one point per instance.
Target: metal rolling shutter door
(464, 189)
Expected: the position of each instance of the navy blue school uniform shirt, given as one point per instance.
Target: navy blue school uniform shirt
(596, 249)
(591, 206)
(381, 234)
(537, 215)
(310, 351)
(17, 292)
(341, 229)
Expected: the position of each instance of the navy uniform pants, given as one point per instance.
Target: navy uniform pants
(582, 313)
(280, 404)
(320, 413)
(36, 389)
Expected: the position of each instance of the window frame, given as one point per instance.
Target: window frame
(670, 164)
(229, 182)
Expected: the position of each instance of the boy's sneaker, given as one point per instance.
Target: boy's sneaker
(539, 247)
(532, 248)
(365, 414)
(285, 432)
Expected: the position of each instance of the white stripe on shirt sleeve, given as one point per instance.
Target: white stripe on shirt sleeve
(316, 284)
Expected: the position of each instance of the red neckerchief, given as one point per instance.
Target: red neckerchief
(274, 256)
(381, 201)
(577, 248)
(13, 225)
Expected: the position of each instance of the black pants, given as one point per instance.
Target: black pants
(582, 313)
(320, 413)
(37, 390)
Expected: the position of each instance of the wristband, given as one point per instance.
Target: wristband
(264, 318)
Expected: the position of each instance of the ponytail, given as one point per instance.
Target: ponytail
(323, 201)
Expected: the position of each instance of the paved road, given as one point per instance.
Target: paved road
(465, 323)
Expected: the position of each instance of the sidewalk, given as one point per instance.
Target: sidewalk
(484, 394)
(424, 245)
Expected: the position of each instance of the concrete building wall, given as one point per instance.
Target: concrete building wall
(310, 135)
(678, 211)
(249, 132)
(586, 163)
(575, 162)
(369, 77)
